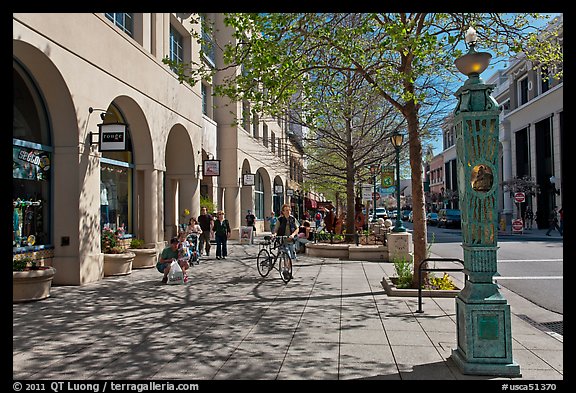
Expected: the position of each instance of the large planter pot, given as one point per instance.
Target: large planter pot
(29, 285)
(118, 264)
(145, 257)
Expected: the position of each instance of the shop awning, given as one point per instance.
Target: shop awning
(311, 203)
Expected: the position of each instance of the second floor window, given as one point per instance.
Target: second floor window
(204, 99)
(208, 46)
(523, 91)
(544, 81)
(265, 134)
(124, 20)
(176, 46)
(255, 125)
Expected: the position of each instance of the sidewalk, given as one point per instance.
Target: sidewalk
(334, 321)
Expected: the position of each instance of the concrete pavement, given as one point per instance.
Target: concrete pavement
(334, 321)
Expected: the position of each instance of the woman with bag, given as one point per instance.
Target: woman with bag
(222, 233)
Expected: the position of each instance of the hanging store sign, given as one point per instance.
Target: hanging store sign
(248, 179)
(278, 189)
(112, 137)
(211, 167)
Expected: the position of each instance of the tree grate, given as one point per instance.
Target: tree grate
(556, 327)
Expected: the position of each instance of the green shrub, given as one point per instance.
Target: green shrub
(208, 204)
(137, 243)
(19, 265)
(403, 269)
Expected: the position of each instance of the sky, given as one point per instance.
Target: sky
(497, 63)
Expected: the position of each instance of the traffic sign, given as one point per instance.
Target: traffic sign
(517, 225)
(376, 195)
(519, 197)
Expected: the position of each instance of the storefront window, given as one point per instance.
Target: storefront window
(116, 171)
(115, 191)
(31, 166)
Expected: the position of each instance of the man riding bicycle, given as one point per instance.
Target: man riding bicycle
(287, 226)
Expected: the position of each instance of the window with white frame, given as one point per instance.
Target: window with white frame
(176, 46)
(124, 20)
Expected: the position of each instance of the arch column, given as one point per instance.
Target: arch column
(508, 206)
(151, 213)
(232, 209)
(188, 196)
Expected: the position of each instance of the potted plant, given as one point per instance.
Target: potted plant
(146, 255)
(117, 259)
(30, 281)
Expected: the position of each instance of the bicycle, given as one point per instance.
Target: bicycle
(270, 253)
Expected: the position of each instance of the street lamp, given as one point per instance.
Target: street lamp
(397, 139)
(484, 344)
(374, 172)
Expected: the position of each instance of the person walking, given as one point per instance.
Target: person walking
(250, 222)
(206, 222)
(529, 218)
(553, 222)
(273, 220)
(318, 219)
(222, 233)
(561, 213)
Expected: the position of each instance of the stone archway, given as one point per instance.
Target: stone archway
(181, 184)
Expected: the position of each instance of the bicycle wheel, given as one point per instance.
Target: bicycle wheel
(284, 262)
(264, 262)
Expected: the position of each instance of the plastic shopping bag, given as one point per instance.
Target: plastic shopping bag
(175, 275)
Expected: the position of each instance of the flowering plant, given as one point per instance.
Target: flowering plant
(109, 241)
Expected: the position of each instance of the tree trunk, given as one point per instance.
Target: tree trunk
(418, 203)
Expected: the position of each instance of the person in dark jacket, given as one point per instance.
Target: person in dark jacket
(288, 226)
(222, 233)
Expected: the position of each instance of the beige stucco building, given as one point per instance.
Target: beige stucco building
(69, 79)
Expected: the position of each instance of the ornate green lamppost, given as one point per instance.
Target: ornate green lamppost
(374, 171)
(482, 314)
(397, 139)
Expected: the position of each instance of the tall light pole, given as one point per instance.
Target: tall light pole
(374, 171)
(484, 336)
(397, 139)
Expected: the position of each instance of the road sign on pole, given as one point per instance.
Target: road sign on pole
(517, 225)
(519, 197)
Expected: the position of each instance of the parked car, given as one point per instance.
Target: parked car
(449, 218)
(381, 212)
(432, 219)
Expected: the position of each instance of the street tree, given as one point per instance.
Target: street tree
(398, 54)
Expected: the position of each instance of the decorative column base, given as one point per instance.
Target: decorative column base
(399, 246)
(484, 339)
